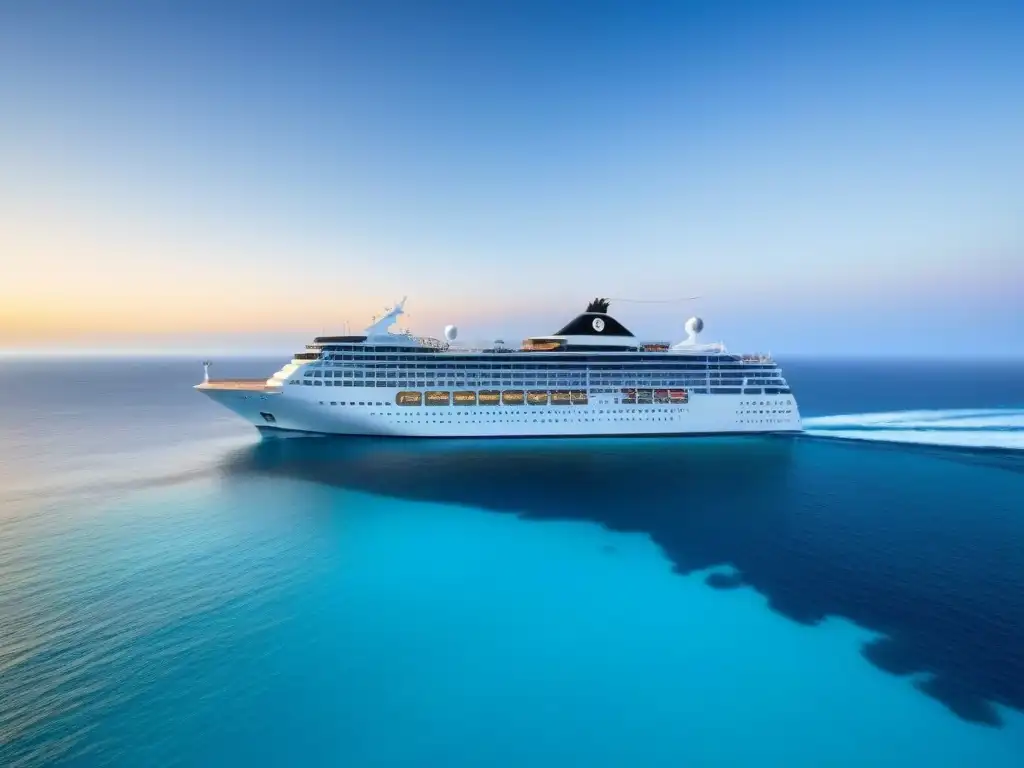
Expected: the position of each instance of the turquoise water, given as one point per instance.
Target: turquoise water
(175, 592)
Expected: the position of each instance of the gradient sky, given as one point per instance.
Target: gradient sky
(830, 178)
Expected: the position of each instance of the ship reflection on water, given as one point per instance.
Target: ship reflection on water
(660, 487)
(819, 529)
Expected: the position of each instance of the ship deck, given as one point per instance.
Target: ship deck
(251, 385)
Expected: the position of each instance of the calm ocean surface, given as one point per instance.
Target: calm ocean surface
(173, 591)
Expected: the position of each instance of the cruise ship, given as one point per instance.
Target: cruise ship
(593, 377)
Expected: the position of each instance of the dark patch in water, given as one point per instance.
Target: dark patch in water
(961, 700)
(608, 549)
(923, 552)
(886, 654)
(724, 580)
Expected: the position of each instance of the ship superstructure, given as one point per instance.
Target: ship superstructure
(593, 377)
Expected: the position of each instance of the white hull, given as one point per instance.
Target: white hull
(300, 409)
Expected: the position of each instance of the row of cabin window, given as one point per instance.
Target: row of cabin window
(520, 374)
(426, 383)
(527, 382)
(625, 381)
(553, 381)
(371, 353)
(546, 357)
(601, 411)
(581, 365)
(388, 374)
(593, 373)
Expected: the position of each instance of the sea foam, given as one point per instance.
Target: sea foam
(989, 428)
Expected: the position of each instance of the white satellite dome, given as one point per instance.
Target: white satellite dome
(694, 326)
(451, 332)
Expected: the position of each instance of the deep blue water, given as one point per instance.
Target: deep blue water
(174, 591)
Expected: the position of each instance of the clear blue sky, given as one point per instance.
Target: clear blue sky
(830, 177)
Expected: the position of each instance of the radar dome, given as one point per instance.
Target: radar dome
(694, 325)
(450, 332)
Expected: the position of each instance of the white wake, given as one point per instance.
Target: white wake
(999, 428)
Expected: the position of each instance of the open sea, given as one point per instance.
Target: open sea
(175, 591)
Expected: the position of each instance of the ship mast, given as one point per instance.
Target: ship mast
(380, 327)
